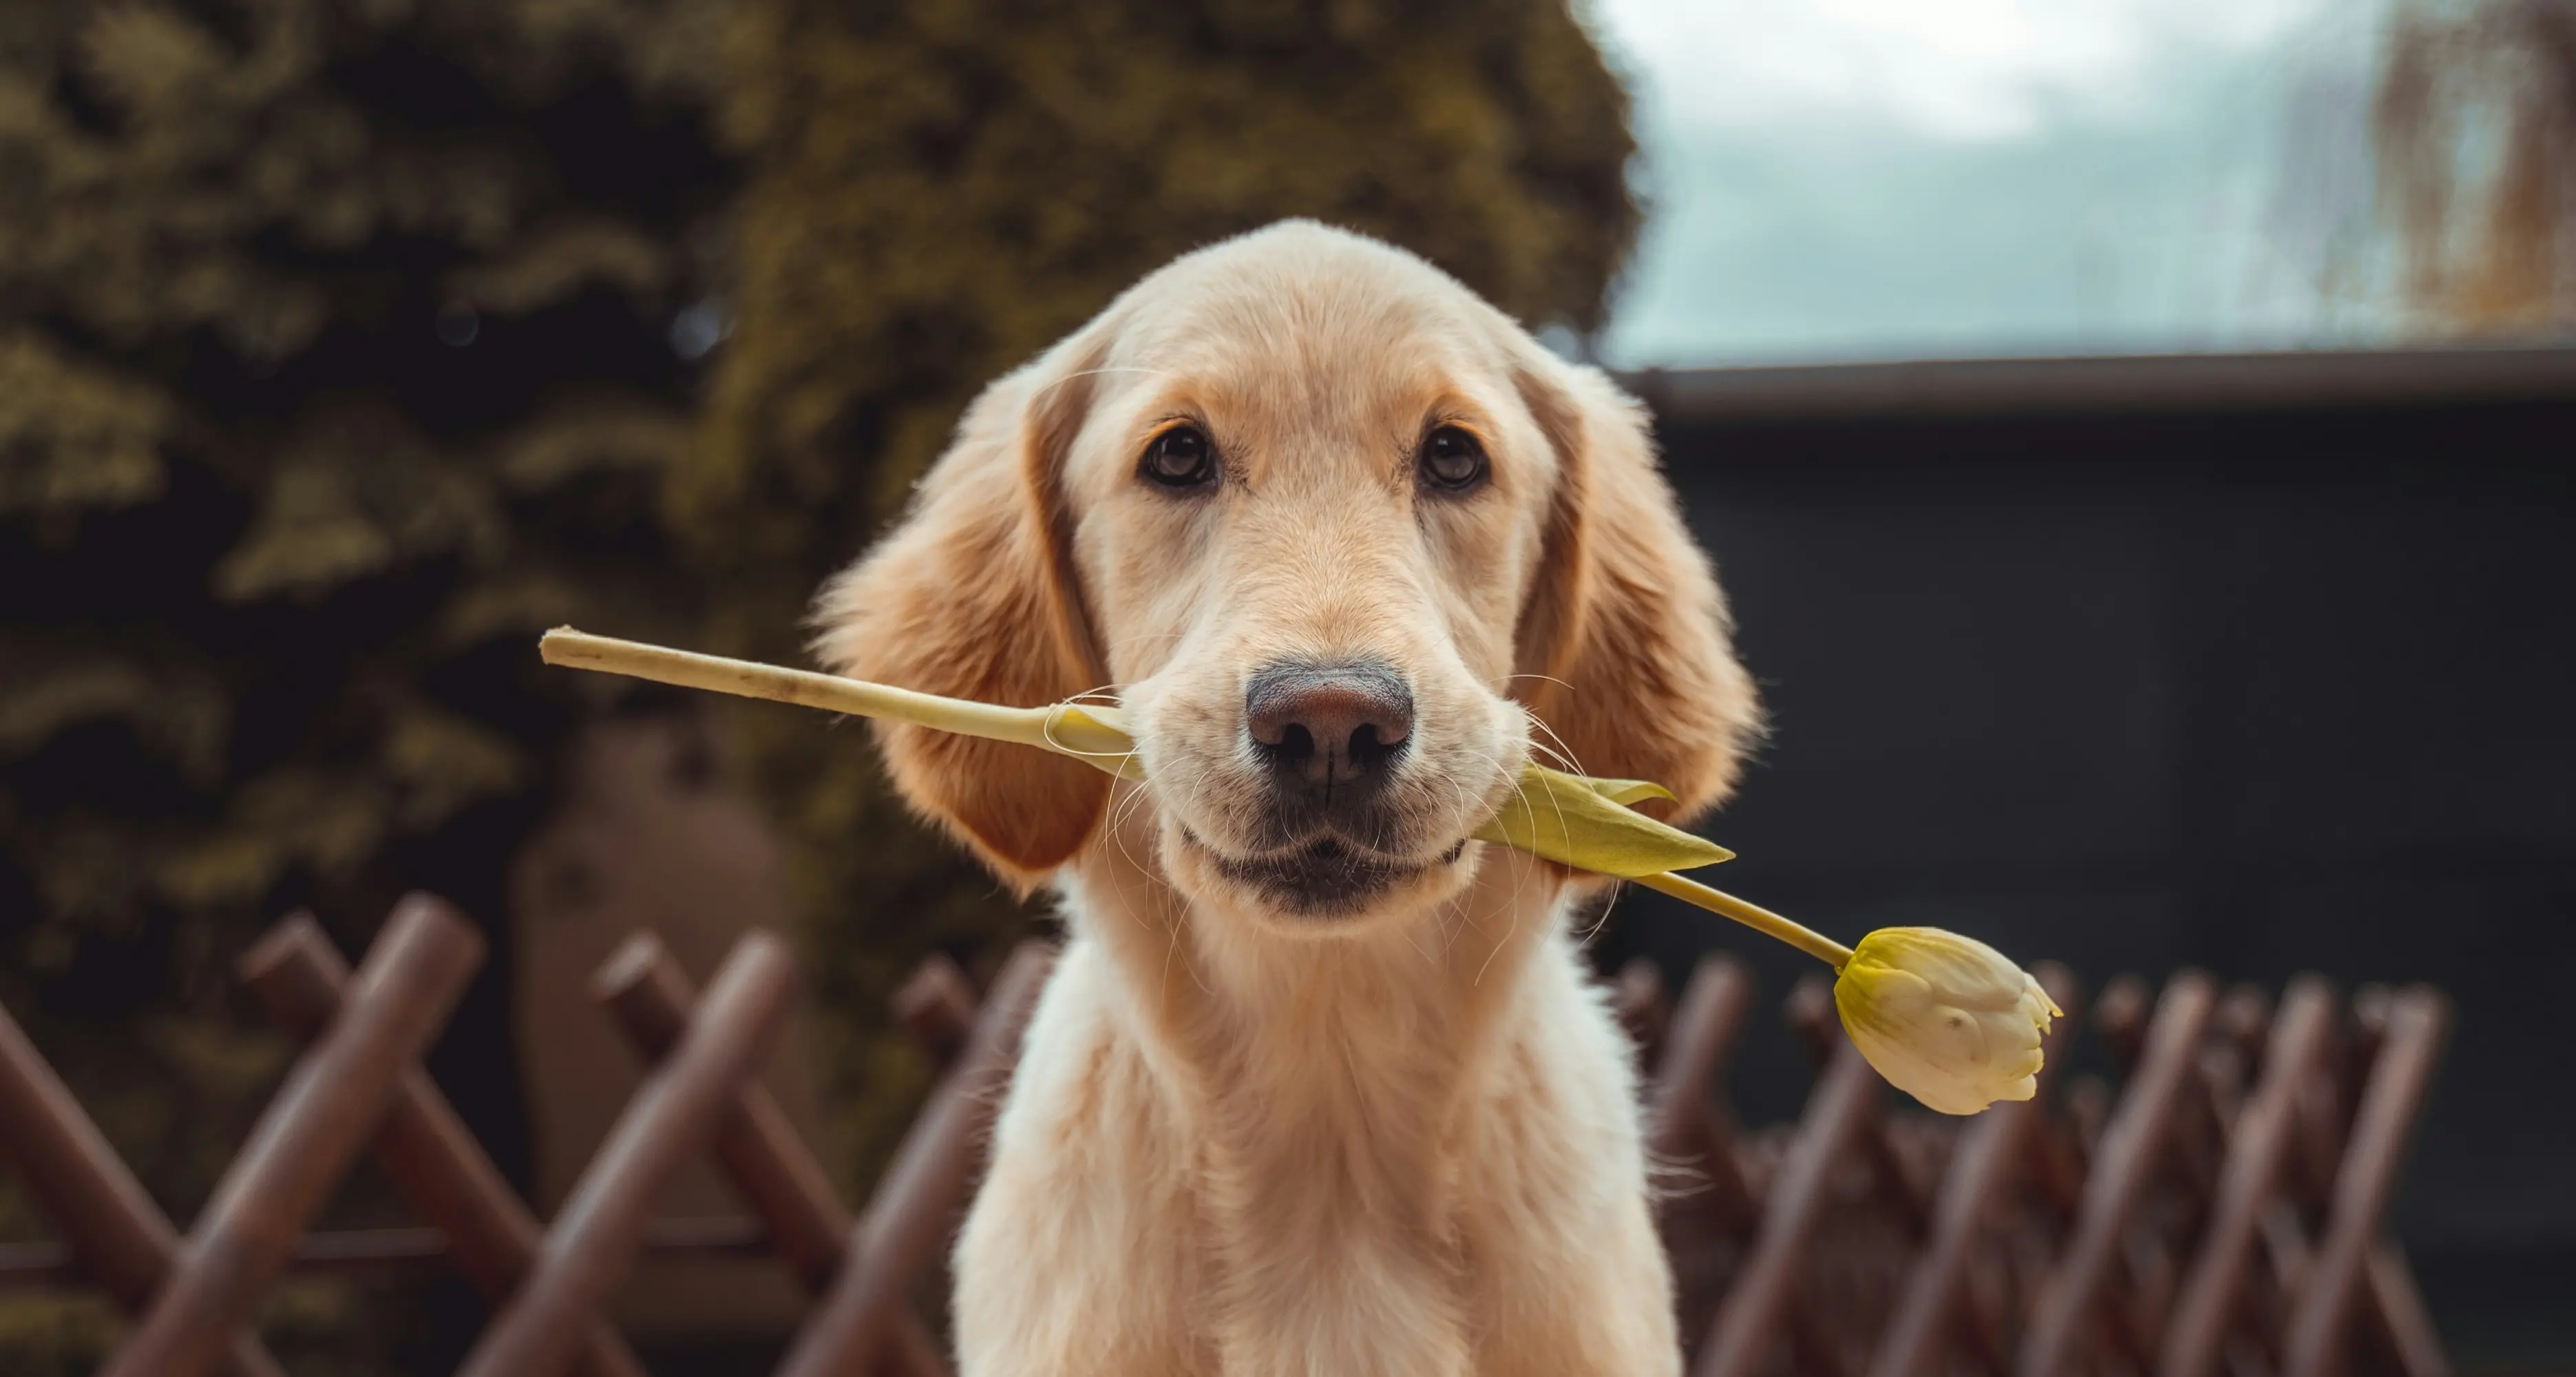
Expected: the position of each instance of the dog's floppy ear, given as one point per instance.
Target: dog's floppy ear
(973, 596)
(1624, 644)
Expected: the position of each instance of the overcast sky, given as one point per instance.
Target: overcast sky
(1894, 178)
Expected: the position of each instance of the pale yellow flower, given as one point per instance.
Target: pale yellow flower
(1946, 1019)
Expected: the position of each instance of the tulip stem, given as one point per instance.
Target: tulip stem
(1026, 726)
(805, 688)
(1754, 916)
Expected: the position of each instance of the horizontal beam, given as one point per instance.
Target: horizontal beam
(2172, 384)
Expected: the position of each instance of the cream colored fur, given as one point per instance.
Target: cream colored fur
(1246, 1142)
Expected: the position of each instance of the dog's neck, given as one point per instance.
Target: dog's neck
(1367, 1051)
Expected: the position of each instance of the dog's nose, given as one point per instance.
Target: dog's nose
(1331, 733)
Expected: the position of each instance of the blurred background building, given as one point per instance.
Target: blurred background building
(345, 344)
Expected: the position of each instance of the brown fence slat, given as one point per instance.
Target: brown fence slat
(2259, 1151)
(306, 1140)
(1765, 1302)
(1995, 1148)
(672, 1118)
(2393, 1307)
(1683, 1122)
(2136, 1137)
(425, 1149)
(2399, 1307)
(119, 1239)
(1704, 1207)
(758, 1149)
(937, 1004)
(2391, 1102)
(652, 1002)
(923, 1188)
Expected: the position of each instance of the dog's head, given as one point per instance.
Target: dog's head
(1348, 545)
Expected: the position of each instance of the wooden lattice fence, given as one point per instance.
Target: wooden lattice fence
(2222, 1211)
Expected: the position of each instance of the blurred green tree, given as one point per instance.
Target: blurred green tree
(938, 189)
(337, 358)
(2475, 128)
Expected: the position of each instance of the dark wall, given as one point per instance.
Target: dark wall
(2257, 692)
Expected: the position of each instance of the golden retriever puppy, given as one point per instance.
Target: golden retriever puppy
(1319, 1085)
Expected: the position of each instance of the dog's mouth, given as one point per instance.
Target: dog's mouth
(1326, 877)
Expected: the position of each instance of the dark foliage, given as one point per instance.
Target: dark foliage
(335, 362)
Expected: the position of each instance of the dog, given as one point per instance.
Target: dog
(1319, 1084)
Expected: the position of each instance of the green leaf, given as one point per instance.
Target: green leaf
(1582, 822)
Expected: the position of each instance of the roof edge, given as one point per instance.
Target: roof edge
(2110, 384)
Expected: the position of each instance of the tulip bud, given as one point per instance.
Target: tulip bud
(1944, 1018)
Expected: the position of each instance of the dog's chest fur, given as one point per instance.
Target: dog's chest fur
(1403, 1152)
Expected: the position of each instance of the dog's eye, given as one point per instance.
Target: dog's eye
(1451, 460)
(1180, 458)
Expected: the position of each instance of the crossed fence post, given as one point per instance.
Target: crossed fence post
(433, 1161)
(305, 1142)
(118, 1237)
(360, 1080)
(2340, 1278)
(672, 1119)
(2288, 1124)
(908, 1217)
(1766, 1296)
(2131, 1148)
(2259, 1154)
(758, 1149)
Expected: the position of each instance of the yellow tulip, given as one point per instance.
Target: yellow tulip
(1572, 819)
(1946, 1019)
(1943, 1017)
